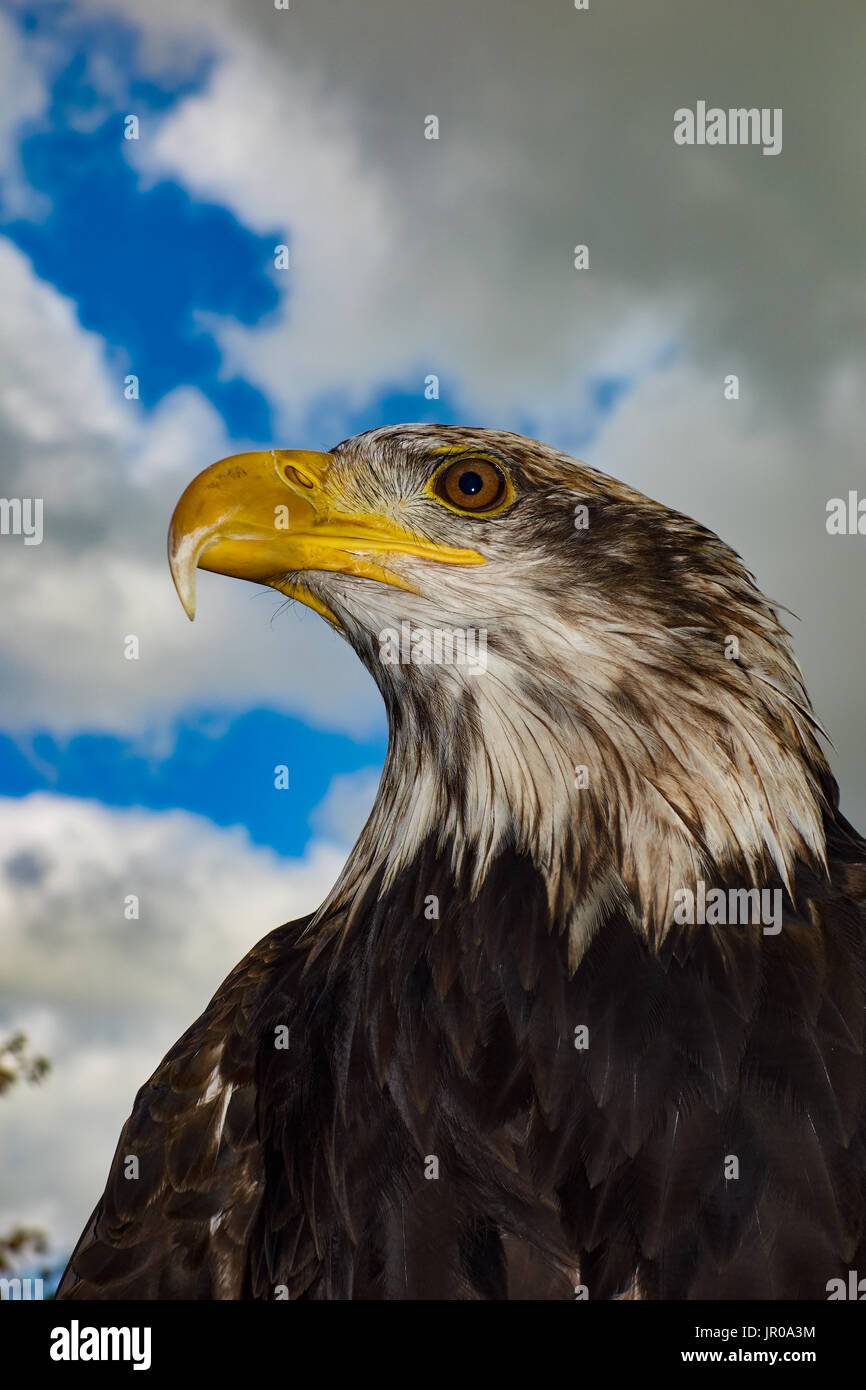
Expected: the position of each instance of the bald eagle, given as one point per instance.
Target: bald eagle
(584, 1013)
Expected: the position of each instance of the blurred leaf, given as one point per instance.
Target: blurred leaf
(16, 1064)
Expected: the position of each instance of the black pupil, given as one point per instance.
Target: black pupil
(470, 483)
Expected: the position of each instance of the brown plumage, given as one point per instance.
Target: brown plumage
(438, 1126)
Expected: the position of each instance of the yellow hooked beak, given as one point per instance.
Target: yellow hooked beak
(267, 515)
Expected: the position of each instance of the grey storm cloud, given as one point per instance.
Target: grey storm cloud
(557, 128)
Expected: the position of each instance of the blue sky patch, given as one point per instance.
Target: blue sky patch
(217, 768)
(140, 263)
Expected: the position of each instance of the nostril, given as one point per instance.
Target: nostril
(294, 475)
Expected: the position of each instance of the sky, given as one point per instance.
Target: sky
(156, 258)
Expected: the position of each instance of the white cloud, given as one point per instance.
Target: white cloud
(54, 386)
(556, 127)
(345, 808)
(109, 475)
(206, 894)
(382, 289)
(104, 997)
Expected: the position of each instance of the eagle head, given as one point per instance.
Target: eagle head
(571, 671)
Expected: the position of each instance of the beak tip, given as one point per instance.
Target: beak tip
(182, 565)
(186, 594)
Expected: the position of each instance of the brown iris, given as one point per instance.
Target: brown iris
(472, 484)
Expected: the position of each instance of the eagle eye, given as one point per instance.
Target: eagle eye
(471, 485)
